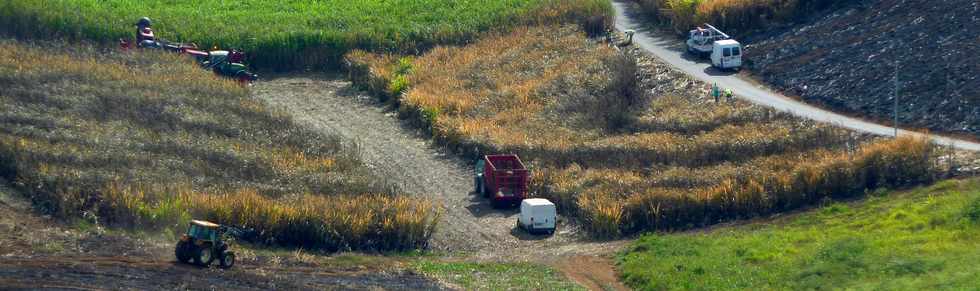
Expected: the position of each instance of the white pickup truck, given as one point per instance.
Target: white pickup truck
(725, 53)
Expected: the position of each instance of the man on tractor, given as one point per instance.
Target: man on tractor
(222, 62)
(144, 34)
(145, 38)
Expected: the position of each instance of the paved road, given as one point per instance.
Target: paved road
(672, 51)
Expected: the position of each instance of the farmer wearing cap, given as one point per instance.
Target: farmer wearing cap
(144, 34)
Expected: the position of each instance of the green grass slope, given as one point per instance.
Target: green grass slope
(287, 34)
(922, 239)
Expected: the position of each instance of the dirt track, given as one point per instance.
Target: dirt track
(38, 253)
(98, 273)
(407, 158)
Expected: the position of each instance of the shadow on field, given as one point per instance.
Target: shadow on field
(524, 235)
(480, 206)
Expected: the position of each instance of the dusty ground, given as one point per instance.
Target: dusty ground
(40, 253)
(470, 226)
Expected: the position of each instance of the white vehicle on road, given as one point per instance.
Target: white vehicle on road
(725, 53)
(750, 91)
(537, 216)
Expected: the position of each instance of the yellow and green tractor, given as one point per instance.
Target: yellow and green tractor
(204, 243)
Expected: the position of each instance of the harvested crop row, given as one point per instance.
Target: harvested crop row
(150, 140)
(628, 147)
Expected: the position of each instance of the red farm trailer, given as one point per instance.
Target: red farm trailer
(502, 178)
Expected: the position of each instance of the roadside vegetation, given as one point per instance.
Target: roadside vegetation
(921, 239)
(734, 16)
(150, 141)
(495, 276)
(291, 34)
(626, 147)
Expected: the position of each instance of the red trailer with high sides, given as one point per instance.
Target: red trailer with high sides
(502, 178)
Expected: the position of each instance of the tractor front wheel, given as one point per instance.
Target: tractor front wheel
(203, 256)
(227, 260)
(182, 252)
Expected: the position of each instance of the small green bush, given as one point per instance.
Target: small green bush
(972, 211)
(399, 84)
(430, 115)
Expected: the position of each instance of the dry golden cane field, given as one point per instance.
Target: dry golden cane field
(739, 16)
(150, 140)
(621, 159)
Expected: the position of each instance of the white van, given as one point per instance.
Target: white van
(537, 216)
(726, 54)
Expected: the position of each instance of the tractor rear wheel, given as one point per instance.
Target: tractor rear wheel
(203, 256)
(183, 252)
(227, 260)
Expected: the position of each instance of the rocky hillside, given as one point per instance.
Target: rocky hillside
(845, 60)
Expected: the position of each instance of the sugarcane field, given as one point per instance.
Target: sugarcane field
(489, 145)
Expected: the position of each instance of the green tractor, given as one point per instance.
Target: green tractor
(203, 244)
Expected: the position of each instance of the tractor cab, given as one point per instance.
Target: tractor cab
(204, 231)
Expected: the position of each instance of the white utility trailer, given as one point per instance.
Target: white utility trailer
(538, 216)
